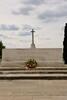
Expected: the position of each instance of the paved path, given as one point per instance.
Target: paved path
(33, 90)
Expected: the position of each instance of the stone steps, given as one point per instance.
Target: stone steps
(37, 68)
(37, 73)
(33, 76)
(33, 71)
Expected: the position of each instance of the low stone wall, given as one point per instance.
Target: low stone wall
(40, 55)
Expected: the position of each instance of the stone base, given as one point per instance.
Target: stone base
(33, 46)
(22, 64)
(45, 57)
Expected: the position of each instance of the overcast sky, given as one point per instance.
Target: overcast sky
(46, 17)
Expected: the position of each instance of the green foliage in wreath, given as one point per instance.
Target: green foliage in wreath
(31, 63)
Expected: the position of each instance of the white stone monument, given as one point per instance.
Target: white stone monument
(43, 56)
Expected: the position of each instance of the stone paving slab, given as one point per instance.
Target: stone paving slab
(33, 90)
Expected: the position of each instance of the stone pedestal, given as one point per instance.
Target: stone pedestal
(33, 46)
(44, 57)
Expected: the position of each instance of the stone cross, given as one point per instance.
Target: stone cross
(32, 45)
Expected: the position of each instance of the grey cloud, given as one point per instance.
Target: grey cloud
(1, 35)
(65, 0)
(27, 27)
(26, 10)
(23, 11)
(33, 2)
(29, 7)
(24, 33)
(4, 27)
(15, 12)
(52, 15)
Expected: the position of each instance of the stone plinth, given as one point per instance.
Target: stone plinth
(43, 56)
